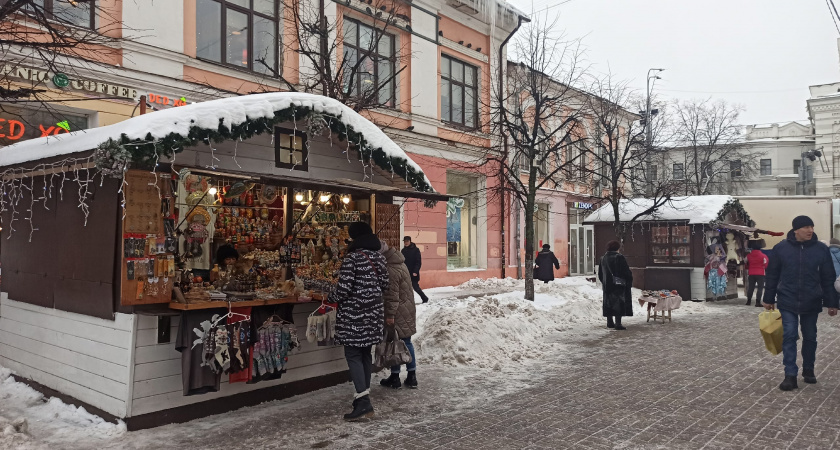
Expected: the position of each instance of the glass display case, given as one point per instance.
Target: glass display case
(670, 244)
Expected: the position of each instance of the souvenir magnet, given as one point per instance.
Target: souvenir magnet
(129, 270)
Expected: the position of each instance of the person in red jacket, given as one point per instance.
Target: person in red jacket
(756, 264)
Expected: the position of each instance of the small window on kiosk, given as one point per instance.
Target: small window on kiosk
(290, 149)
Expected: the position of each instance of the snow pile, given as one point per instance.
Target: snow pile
(26, 415)
(232, 110)
(491, 284)
(497, 329)
(695, 209)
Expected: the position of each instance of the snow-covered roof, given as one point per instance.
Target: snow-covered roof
(207, 115)
(694, 209)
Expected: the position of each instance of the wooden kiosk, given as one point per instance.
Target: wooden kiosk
(97, 224)
(668, 249)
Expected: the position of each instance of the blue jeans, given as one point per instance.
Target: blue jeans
(791, 322)
(412, 366)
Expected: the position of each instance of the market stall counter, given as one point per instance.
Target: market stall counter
(179, 290)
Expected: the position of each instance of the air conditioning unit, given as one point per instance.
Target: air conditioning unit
(465, 6)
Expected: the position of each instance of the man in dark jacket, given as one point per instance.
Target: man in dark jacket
(800, 278)
(545, 264)
(413, 260)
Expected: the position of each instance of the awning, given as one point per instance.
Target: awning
(341, 185)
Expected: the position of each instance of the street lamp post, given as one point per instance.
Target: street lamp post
(648, 128)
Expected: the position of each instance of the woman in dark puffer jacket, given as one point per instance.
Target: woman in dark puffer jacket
(359, 322)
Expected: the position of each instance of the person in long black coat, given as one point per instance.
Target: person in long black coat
(545, 264)
(618, 301)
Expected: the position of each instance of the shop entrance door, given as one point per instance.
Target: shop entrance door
(581, 244)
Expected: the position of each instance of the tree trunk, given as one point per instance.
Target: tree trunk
(529, 242)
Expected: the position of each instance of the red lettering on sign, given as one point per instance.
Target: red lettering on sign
(16, 130)
(47, 131)
(1, 127)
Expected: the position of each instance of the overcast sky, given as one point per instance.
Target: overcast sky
(762, 54)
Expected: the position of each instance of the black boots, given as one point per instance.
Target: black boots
(758, 303)
(789, 384)
(610, 323)
(749, 302)
(410, 380)
(362, 409)
(808, 375)
(393, 381)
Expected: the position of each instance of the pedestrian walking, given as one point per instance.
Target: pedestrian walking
(617, 280)
(400, 313)
(834, 248)
(545, 264)
(359, 321)
(413, 261)
(800, 280)
(756, 266)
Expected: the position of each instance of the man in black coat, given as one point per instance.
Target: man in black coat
(413, 260)
(800, 278)
(545, 264)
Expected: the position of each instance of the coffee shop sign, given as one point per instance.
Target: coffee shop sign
(60, 80)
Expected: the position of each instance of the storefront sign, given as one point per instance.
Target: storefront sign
(63, 81)
(582, 205)
(22, 124)
(163, 100)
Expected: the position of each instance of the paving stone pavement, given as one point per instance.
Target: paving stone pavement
(703, 381)
(695, 383)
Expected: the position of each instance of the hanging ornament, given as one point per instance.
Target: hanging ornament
(112, 159)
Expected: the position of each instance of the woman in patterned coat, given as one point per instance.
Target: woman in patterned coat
(359, 322)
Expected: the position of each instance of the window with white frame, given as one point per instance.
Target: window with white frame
(678, 171)
(767, 167)
(462, 221)
(458, 92)
(735, 168)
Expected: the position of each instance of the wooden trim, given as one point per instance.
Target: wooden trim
(222, 405)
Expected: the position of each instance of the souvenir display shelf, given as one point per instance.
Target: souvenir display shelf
(224, 304)
(671, 244)
(147, 257)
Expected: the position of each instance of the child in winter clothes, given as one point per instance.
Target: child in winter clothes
(756, 265)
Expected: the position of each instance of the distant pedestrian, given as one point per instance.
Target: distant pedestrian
(800, 278)
(834, 248)
(400, 313)
(359, 320)
(617, 280)
(756, 265)
(413, 261)
(545, 264)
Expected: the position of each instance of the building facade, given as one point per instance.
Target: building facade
(435, 63)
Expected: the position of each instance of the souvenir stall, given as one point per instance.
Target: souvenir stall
(192, 252)
(691, 247)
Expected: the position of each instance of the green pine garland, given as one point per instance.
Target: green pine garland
(734, 206)
(145, 152)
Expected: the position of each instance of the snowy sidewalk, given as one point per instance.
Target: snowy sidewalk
(496, 371)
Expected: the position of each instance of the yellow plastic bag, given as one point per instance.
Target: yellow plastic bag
(770, 323)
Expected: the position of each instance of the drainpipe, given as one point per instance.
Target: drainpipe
(502, 63)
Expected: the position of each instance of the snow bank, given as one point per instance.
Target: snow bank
(29, 420)
(500, 327)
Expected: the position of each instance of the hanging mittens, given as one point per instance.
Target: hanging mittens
(311, 329)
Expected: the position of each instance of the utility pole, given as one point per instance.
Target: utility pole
(649, 129)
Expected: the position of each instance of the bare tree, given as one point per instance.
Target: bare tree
(710, 148)
(53, 35)
(541, 111)
(357, 62)
(620, 155)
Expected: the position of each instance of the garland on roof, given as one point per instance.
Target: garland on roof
(146, 152)
(735, 206)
